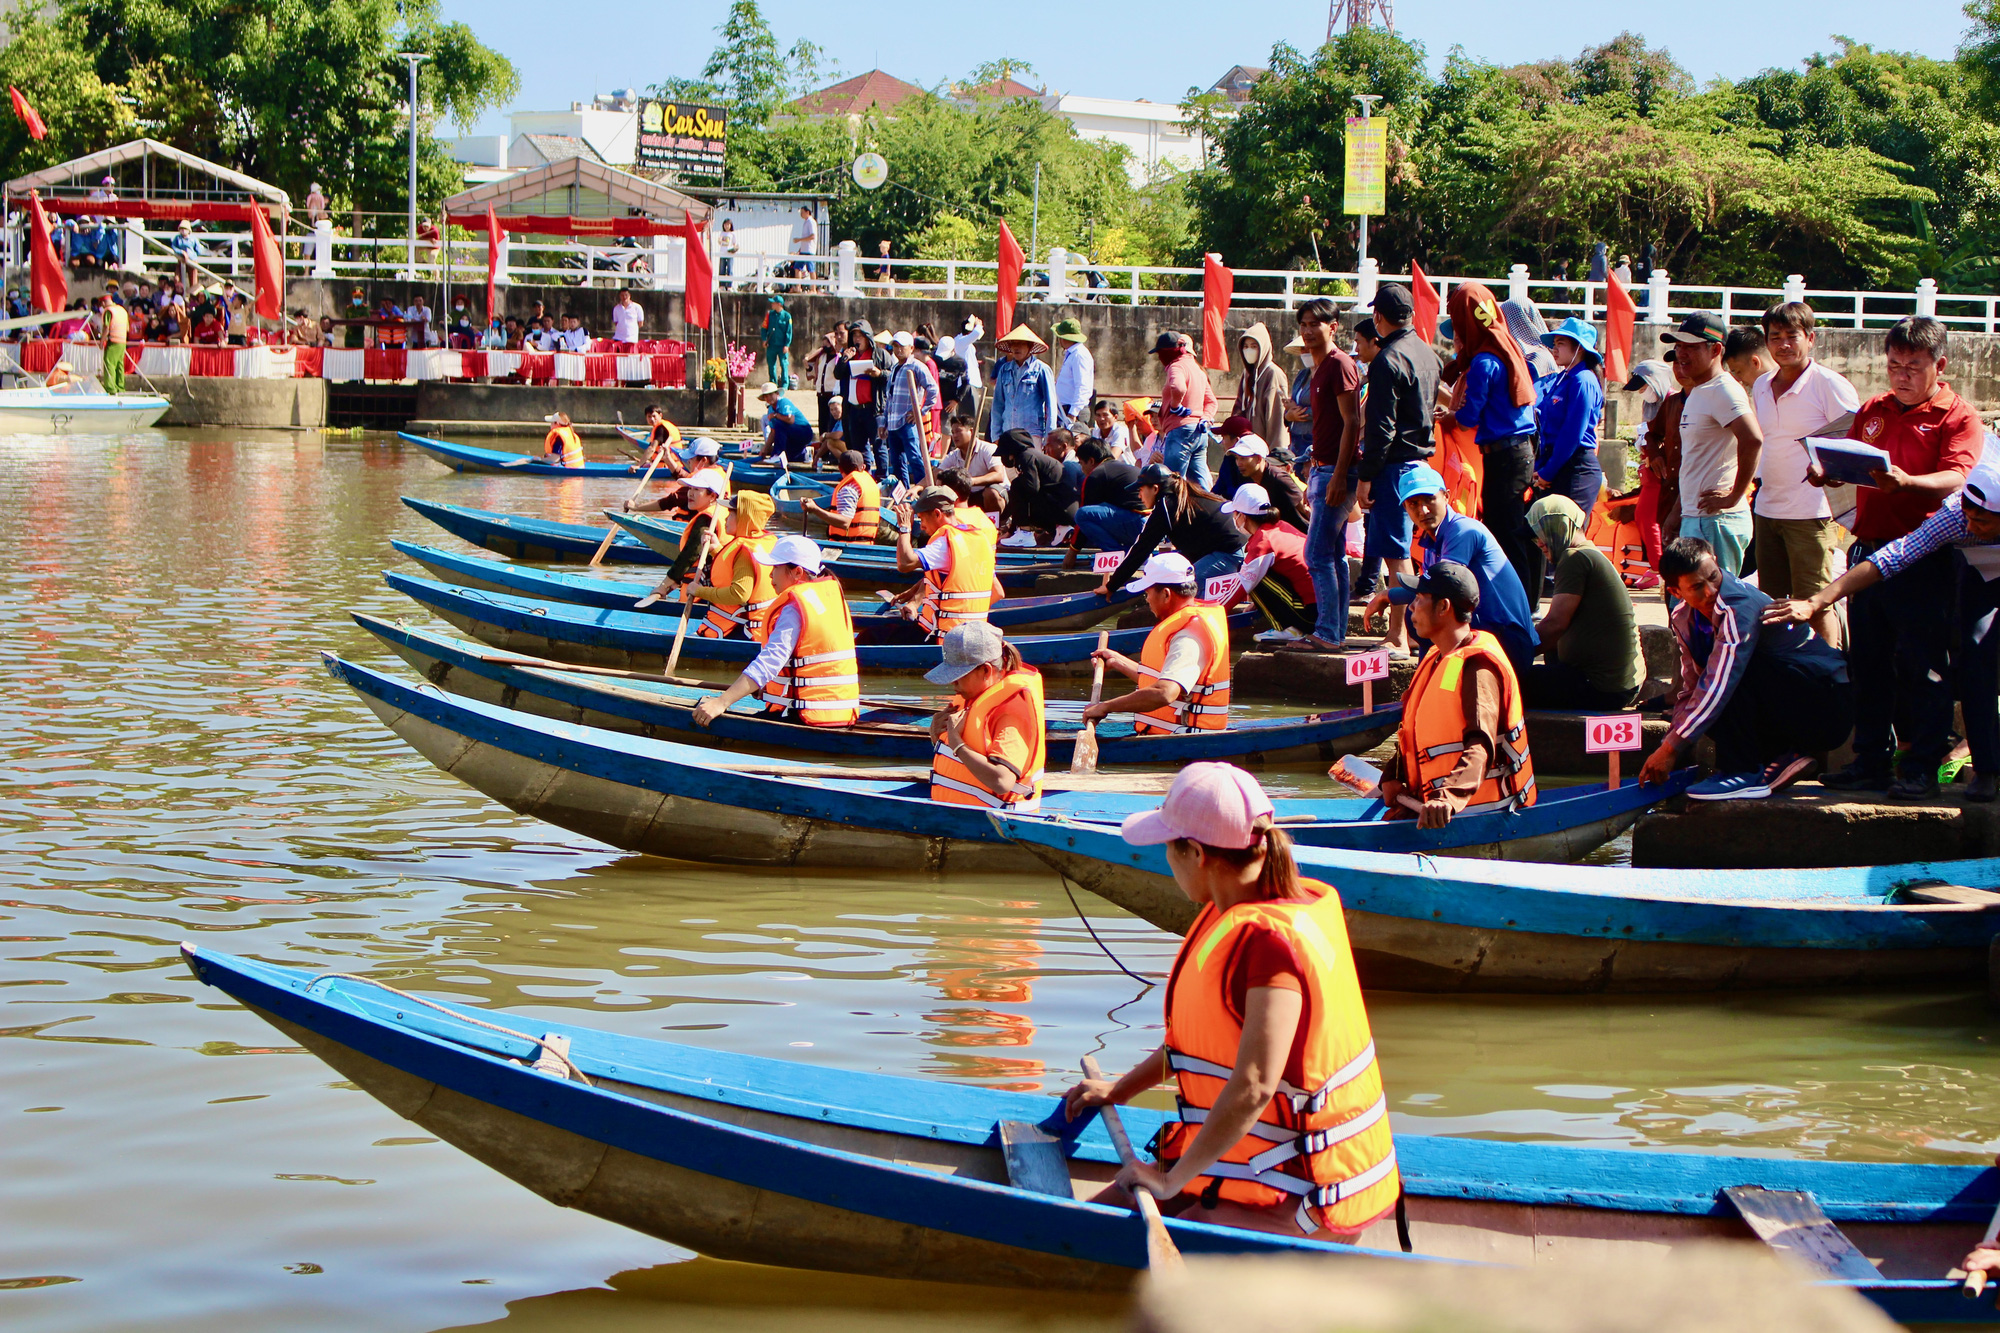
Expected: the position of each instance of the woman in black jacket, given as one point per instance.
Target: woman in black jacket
(1192, 519)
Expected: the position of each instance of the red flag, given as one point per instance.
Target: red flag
(492, 261)
(270, 266)
(36, 130)
(1011, 263)
(47, 287)
(700, 276)
(1218, 284)
(1425, 298)
(1619, 316)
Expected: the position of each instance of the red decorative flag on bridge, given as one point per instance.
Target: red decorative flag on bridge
(1425, 298)
(1011, 263)
(36, 130)
(1218, 284)
(700, 275)
(270, 266)
(1619, 315)
(48, 289)
(492, 261)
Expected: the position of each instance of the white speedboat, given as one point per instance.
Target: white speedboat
(38, 411)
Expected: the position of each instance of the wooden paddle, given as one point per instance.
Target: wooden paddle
(597, 557)
(1162, 1255)
(1975, 1283)
(1084, 760)
(700, 563)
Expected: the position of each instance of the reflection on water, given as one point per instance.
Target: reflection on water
(177, 768)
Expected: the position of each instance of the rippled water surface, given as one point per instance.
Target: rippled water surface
(177, 767)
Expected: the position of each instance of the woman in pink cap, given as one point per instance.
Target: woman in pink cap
(1283, 1124)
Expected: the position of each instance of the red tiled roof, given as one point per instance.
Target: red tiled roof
(852, 97)
(1002, 88)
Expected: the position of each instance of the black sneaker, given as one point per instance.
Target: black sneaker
(1982, 789)
(1915, 787)
(1857, 777)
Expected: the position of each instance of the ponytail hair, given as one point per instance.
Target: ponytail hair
(1278, 878)
(1010, 659)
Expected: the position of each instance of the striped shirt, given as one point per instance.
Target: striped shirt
(1947, 527)
(909, 382)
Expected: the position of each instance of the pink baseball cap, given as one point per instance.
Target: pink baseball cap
(1213, 804)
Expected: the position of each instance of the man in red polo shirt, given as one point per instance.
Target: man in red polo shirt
(1900, 633)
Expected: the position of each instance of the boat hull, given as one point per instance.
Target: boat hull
(664, 799)
(665, 711)
(500, 462)
(119, 414)
(772, 1162)
(1419, 926)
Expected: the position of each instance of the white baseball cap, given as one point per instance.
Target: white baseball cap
(792, 550)
(709, 479)
(1169, 569)
(1250, 446)
(902, 338)
(706, 448)
(1250, 499)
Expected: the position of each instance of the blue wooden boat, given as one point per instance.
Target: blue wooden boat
(540, 539)
(1419, 924)
(639, 640)
(525, 538)
(767, 1161)
(502, 462)
(661, 708)
(692, 804)
(1048, 614)
(664, 534)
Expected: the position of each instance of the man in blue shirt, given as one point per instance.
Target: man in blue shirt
(786, 430)
(1443, 533)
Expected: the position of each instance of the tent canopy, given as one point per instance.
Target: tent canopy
(147, 169)
(577, 197)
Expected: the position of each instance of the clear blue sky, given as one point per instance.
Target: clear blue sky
(1113, 48)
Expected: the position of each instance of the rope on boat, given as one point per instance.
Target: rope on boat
(1144, 981)
(541, 1043)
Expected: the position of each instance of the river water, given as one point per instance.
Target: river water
(177, 767)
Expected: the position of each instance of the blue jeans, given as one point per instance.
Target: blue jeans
(905, 454)
(1387, 523)
(1107, 527)
(1185, 451)
(1326, 558)
(1215, 566)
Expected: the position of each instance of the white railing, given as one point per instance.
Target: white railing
(1062, 278)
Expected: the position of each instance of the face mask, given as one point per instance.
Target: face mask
(1651, 396)
(1252, 354)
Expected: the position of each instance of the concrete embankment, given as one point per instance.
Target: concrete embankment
(203, 400)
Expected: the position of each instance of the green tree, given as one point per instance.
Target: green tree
(47, 61)
(291, 93)
(749, 71)
(992, 73)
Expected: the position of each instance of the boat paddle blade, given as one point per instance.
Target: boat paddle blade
(1084, 758)
(1035, 1159)
(1162, 1255)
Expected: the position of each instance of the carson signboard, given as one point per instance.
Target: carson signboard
(685, 138)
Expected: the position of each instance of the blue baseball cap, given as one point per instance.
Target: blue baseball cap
(1420, 480)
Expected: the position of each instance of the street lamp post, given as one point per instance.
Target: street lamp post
(415, 58)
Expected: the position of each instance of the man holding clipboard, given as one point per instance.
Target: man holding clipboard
(1900, 637)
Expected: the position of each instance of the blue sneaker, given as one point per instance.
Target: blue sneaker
(1731, 787)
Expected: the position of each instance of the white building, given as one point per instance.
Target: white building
(1154, 131)
(607, 128)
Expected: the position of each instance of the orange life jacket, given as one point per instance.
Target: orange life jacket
(964, 592)
(821, 681)
(664, 439)
(953, 783)
(563, 439)
(867, 509)
(1432, 736)
(1206, 706)
(724, 568)
(1323, 1140)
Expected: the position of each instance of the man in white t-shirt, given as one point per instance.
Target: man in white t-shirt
(625, 318)
(805, 241)
(1794, 521)
(1720, 443)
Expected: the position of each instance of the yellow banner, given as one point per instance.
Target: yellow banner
(1367, 189)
